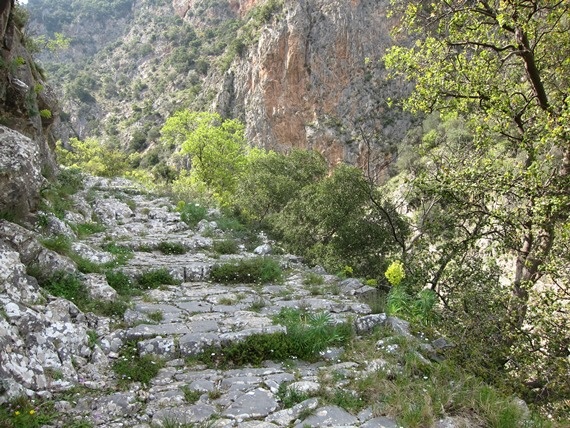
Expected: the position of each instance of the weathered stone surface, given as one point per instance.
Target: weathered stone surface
(253, 404)
(329, 416)
(20, 174)
(91, 254)
(368, 323)
(98, 288)
(380, 422)
(112, 211)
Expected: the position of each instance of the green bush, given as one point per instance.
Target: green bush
(255, 270)
(226, 246)
(155, 278)
(271, 180)
(130, 367)
(171, 247)
(121, 282)
(191, 214)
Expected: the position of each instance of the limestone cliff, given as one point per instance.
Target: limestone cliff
(313, 80)
(28, 110)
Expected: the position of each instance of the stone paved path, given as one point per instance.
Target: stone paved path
(199, 313)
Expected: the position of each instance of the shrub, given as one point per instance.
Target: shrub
(191, 214)
(171, 248)
(395, 273)
(121, 282)
(226, 246)
(259, 269)
(130, 367)
(155, 278)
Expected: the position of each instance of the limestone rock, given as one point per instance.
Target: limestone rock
(20, 174)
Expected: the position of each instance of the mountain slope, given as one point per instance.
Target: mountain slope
(299, 74)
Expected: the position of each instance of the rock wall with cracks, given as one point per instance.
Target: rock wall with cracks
(314, 80)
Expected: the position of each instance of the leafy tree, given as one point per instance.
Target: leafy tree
(336, 221)
(217, 148)
(93, 157)
(504, 190)
(272, 179)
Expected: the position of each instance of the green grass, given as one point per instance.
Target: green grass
(156, 316)
(191, 396)
(85, 229)
(312, 278)
(155, 278)
(290, 396)
(60, 244)
(166, 247)
(20, 412)
(226, 246)
(130, 367)
(247, 271)
(122, 253)
(307, 335)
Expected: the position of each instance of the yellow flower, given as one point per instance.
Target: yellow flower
(32, 412)
(16, 412)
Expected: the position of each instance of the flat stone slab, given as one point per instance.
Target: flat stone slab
(380, 422)
(147, 331)
(252, 405)
(329, 416)
(184, 415)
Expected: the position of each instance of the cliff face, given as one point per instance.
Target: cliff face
(313, 80)
(28, 110)
(298, 73)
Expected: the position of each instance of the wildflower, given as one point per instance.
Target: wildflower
(17, 412)
(32, 412)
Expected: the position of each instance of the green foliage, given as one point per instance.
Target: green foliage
(290, 396)
(20, 412)
(307, 335)
(216, 146)
(492, 179)
(312, 278)
(395, 273)
(122, 283)
(167, 247)
(122, 253)
(131, 367)
(191, 396)
(85, 229)
(271, 180)
(56, 195)
(93, 157)
(226, 246)
(340, 220)
(190, 213)
(66, 285)
(155, 278)
(312, 333)
(254, 270)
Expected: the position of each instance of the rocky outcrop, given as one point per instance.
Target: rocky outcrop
(29, 107)
(313, 80)
(20, 174)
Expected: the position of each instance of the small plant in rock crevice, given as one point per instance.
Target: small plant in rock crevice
(155, 278)
(131, 367)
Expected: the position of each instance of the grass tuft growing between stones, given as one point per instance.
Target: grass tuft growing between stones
(131, 367)
(247, 271)
(86, 229)
(307, 335)
(155, 278)
(166, 247)
(20, 412)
